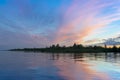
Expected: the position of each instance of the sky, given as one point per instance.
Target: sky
(41, 23)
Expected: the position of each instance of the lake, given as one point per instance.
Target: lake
(53, 66)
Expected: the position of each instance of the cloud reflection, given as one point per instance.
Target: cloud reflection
(71, 70)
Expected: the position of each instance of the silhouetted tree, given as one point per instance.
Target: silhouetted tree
(80, 46)
(53, 46)
(95, 47)
(57, 46)
(74, 45)
(114, 49)
(105, 46)
(64, 46)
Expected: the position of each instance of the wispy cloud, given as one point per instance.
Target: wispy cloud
(82, 21)
(40, 23)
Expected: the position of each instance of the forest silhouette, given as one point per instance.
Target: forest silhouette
(76, 48)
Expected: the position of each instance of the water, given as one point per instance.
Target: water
(49, 66)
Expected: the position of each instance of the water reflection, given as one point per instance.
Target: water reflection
(108, 57)
(88, 66)
(54, 66)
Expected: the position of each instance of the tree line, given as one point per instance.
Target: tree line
(75, 48)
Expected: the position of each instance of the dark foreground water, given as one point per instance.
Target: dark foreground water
(48, 66)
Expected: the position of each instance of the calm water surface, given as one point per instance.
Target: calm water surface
(49, 66)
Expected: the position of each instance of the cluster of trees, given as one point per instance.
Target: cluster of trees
(76, 48)
(80, 48)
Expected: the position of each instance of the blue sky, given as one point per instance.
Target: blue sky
(40, 23)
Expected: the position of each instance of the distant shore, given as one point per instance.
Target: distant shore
(71, 49)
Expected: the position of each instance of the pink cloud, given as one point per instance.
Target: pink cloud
(83, 21)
